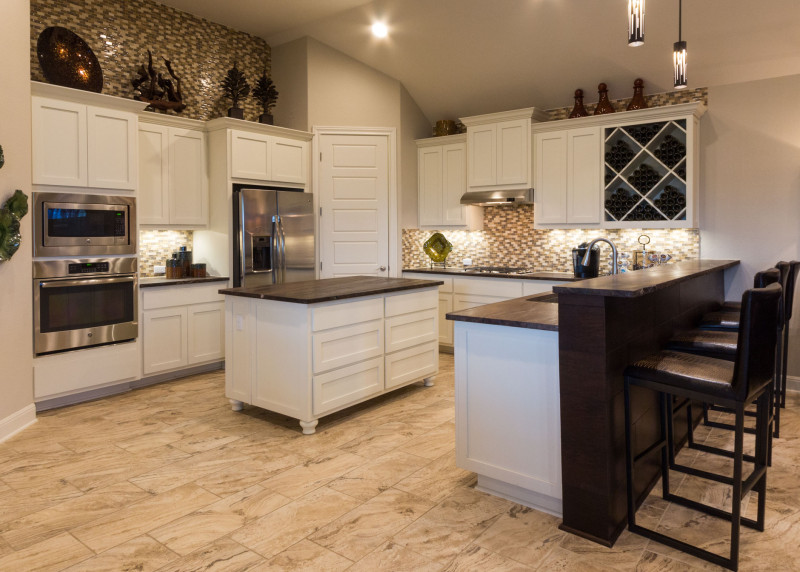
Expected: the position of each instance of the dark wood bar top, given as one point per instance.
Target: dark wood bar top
(458, 271)
(640, 282)
(328, 289)
(153, 281)
(539, 312)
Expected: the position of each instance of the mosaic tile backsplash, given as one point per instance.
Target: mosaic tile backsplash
(121, 31)
(508, 238)
(156, 246)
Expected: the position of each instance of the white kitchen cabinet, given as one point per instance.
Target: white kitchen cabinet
(568, 180)
(182, 326)
(83, 139)
(498, 149)
(264, 157)
(172, 171)
(310, 360)
(442, 167)
(638, 169)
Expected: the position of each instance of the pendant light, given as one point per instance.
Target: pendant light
(635, 22)
(679, 54)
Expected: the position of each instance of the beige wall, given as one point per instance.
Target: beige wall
(414, 125)
(290, 74)
(16, 362)
(750, 181)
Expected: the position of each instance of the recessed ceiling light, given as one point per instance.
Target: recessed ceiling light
(380, 30)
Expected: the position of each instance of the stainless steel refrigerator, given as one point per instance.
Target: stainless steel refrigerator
(273, 231)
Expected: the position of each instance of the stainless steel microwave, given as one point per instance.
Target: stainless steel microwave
(72, 224)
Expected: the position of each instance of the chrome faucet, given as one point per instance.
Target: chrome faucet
(614, 263)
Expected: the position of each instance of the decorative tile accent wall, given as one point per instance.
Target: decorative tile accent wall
(156, 246)
(653, 100)
(121, 31)
(508, 238)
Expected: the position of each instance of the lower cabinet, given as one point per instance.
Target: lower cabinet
(310, 360)
(182, 326)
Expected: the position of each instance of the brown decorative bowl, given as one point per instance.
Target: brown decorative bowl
(445, 127)
(68, 61)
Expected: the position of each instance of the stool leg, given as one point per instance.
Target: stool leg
(777, 385)
(736, 497)
(763, 450)
(784, 364)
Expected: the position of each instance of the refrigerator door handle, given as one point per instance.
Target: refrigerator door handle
(283, 250)
(274, 251)
(241, 240)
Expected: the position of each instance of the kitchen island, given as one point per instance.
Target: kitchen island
(309, 349)
(548, 372)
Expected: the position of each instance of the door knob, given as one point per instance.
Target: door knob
(382, 269)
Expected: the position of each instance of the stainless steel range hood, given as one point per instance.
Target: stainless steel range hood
(489, 198)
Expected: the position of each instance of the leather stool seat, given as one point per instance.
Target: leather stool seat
(721, 320)
(715, 344)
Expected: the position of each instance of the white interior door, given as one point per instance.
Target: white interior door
(354, 198)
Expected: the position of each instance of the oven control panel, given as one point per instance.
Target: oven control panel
(88, 268)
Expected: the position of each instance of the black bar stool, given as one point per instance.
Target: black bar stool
(731, 384)
(788, 296)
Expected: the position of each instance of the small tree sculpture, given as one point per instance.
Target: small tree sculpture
(267, 96)
(236, 88)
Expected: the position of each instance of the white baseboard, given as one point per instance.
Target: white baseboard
(16, 422)
(792, 383)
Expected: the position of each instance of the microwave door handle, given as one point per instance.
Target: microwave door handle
(274, 247)
(85, 282)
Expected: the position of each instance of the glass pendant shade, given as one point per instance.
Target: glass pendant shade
(679, 64)
(635, 22)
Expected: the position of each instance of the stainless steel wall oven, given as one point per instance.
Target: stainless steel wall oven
(73, 224)
(84, 302)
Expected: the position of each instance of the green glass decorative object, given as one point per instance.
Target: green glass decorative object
(2, 157)
(437, 247)
(10, 237)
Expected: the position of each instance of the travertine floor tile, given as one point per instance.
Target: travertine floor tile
(392, 557)
(377, 475)
(522, 534)
(477, 558)
(434, 443)
(437, 480)
(142, 517)
(50, 555)
(305, 556)
(142, 554)
(187, 470)
(310, 475)
(368, 526)
(222, 556)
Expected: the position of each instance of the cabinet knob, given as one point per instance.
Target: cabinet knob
(382, 269)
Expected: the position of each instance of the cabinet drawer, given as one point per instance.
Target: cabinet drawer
(406, 303)
(412, 329)
(412, 364)
(462, 302)
(181, 295)
(346, 345)
(501, 287)
(347, 385)
(346, 313)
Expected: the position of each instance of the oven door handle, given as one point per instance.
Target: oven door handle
(85, 282)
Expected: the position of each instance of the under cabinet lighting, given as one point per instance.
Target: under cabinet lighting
(635, 22)
(380, 30)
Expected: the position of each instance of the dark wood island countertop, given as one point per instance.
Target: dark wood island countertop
(328, 289)
(538, 312)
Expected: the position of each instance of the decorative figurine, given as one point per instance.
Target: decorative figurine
(267, 96)
(2, 157)
(155, 90)
(579, 110)
(236, 88)
(10, 236)
(603, 105)
(637, 101)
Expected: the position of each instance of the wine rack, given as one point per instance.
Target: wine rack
(645, 172)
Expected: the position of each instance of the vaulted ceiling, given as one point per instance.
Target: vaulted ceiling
(466, 57)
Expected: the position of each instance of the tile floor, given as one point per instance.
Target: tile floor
(169, 478)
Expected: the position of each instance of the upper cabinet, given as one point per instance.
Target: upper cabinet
(637, 169)
(261, 155)
(173, 187)
(498, 149)
(442, 166)
(83, 139)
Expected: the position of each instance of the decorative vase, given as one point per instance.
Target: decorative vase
(236, 112)
(445, 127)
(579, 110)
(266, 118)
(637, 101)
(603, 105)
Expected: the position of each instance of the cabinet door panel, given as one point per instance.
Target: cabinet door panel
(250, 158)
(113, 162)
(206, 332)
(550, 170)
(59, 142)
(153, 206)
(187, 180)
(513, 152)
(347, 385)
(350, 344)
(411, 329)
(482, 163)
(430, 186)
(583, 174)
(445, 325)
(411, 364)
(454, 184)
(288, 160)
(165, 342)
